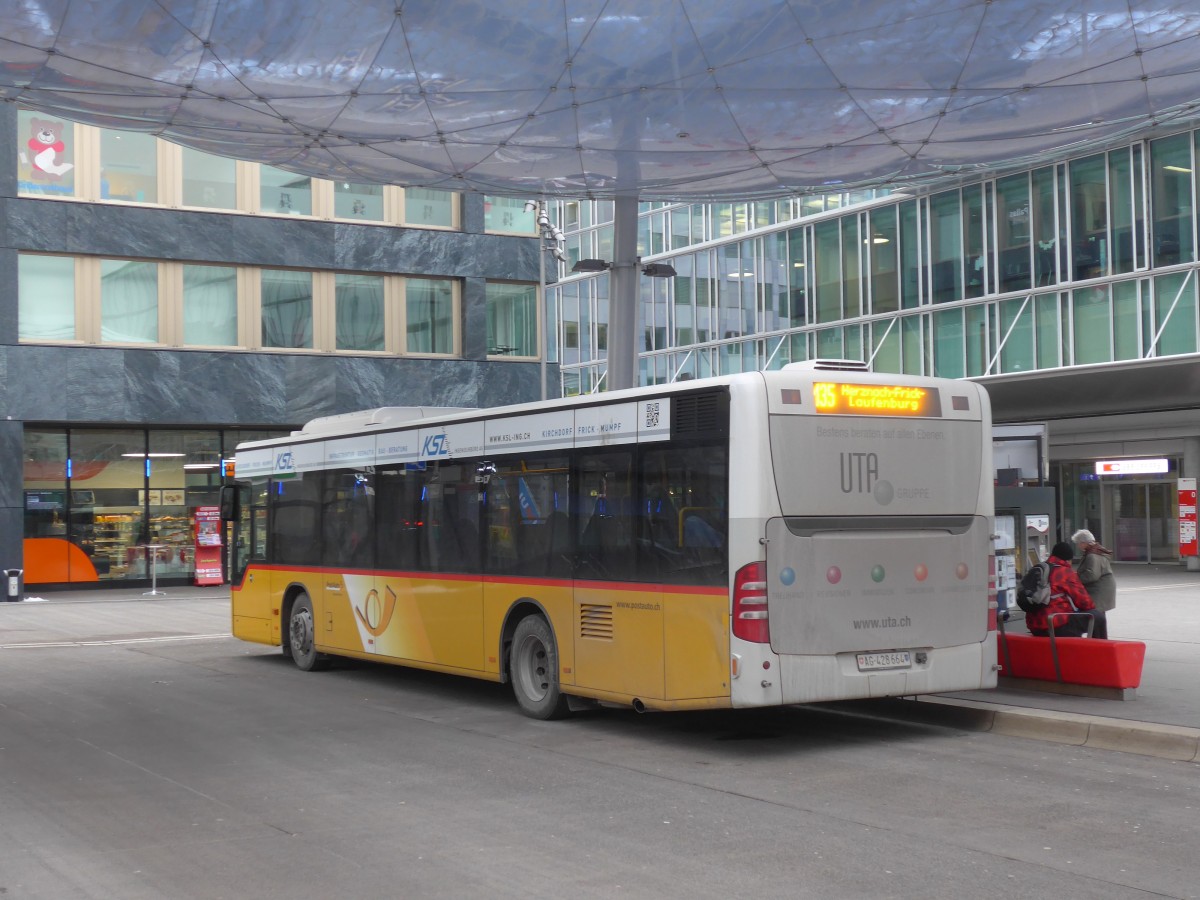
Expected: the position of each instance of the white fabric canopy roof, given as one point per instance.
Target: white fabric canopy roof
(661, 99)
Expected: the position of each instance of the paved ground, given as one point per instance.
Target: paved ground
(1159, 605)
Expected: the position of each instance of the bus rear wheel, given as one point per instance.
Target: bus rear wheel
(302, 637)
(533, 668)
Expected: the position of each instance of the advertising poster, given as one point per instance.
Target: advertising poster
(208, 545)
(1187, 518)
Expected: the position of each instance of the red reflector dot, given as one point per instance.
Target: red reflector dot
(921, 572)
(766, 664)
(833, 574)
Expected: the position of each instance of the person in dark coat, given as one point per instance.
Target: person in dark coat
(1069, 606)
(1095, 570)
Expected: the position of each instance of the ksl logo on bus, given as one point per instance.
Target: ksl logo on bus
(284, 462)
(435, 445)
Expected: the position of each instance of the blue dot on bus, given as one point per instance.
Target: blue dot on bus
(787, 576)
(877, 574)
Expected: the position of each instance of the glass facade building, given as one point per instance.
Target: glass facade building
(159, 304)
(1082, 267)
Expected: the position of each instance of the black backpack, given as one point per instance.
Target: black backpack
(1034, 590)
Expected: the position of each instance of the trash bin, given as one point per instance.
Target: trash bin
(14, 583)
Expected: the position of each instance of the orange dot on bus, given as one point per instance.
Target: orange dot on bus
(921, 572)
(961, 571)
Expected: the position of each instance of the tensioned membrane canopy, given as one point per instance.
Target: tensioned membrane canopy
(663, 99)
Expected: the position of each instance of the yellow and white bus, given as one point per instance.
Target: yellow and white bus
(814, 533)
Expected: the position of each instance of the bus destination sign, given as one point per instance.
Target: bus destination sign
(846, 399)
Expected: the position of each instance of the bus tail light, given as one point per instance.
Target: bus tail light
(750, 604)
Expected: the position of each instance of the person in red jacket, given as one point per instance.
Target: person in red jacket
(1069, 606)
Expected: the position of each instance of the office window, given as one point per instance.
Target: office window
(1121, 178)
(45, 155)
(45, 298)
(1013, 233)
(828, 271)
(284, 193)
(512, 319)
(359, 312)
(128, 166)
(885, 345)
(507, 215)
(912, 340)
(1171, 199)
(1090, 321)
(1126, 316)
(128, 301)
(948, 338)
(1089, 218)
(210, 306)
(358, 201)
(976, 340)
(208, 181)
(882, 247)
(426, 207)
(1175, 313)
(287, 309)
(945, 247)
(429, 310)
(1016, 323)
(1049, 334)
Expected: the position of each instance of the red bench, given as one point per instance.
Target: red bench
(1089, 662)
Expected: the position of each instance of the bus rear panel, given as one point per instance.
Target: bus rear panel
(878, 556)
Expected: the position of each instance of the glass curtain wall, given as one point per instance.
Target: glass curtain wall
(1055, 266)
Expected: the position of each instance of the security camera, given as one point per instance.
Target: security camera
(543, 220)
(559, 255)
(557, 235)
(530, 205)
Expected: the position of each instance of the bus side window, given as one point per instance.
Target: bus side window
(605, 504)
(683, 530)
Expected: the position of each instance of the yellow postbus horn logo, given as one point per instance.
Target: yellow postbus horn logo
(378, 614)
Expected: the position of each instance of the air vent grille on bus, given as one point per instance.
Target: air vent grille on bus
(596, 621)
(830, 365)
(697, 414)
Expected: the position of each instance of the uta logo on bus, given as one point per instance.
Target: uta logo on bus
(859, 472)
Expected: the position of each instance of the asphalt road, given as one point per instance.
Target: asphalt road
(135, 764)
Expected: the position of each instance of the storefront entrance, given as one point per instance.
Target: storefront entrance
(1142, 521)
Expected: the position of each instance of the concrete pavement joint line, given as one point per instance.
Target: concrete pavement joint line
(1142, 738)
(154, 640)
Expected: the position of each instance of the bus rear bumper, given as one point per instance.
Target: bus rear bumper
(815, 679)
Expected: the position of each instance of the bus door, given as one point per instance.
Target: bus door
(427, 600)
(618, 617)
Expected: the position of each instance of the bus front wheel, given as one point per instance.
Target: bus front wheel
(302, 637)
(533, 668)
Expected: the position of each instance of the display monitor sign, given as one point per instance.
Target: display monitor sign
(848, 399)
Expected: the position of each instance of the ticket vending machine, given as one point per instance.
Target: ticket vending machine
(1026, 529)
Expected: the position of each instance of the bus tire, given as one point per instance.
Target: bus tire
(533, 670)
(302, 633)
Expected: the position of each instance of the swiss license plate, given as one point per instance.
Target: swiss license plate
(901, 659)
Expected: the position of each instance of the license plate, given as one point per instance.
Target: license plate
(898, 660)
